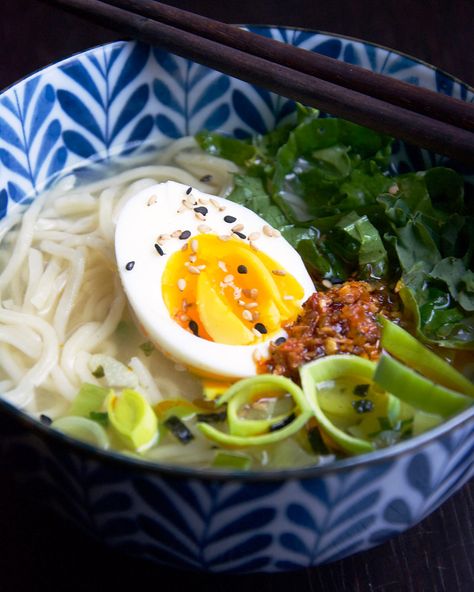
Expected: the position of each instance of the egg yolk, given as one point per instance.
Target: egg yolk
(227, 292)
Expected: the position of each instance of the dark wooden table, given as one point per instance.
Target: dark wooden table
(39, 552)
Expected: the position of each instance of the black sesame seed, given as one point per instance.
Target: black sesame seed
(206, 179)
(130, 265)
(280, 340)
(46, 419)
(194, 327)
(239, 234)
(159, 250)
(184, 235)
(336, 281)
(229, 219)
(188, 190)
(201, 210)
(242, 269)
(363, 405)
(261, 328)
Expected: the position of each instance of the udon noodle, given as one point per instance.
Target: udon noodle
(61, 299)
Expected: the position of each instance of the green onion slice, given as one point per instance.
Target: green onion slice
(83, 429)
(133, 419)
(420, 392)
(255, 432)
(402, 345)
(331, 368)
(89, 399)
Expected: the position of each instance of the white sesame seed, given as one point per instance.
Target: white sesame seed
(275, 232)
(237, 227)
(187, 204)
(255, 315)
(203, 200)
(181, 284)
(256, 333)
(253, 293)
(193, 258)
(201, 267)
(194, 270)
(194, 245)
(247, 315)
(222, 266)
(288, 297)
(162, 238)
(176, 233)
(215, 203)
(278, 272)
(184, 318)
(151, 200)
(225, 237)
(184, 247)
(253, 246)
(229, 278)
(267, 230)
(253, 236)
(327, 284)
(251, 305)
(204, 228)
(199, 216)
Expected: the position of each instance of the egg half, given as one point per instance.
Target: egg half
(210, 283)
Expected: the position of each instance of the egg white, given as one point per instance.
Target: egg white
(159, 210)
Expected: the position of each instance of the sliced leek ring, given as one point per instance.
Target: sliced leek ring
(330, 368)
(83, 429)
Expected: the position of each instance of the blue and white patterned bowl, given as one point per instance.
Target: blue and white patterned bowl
(114, 100)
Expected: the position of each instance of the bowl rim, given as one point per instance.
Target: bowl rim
(127, 462)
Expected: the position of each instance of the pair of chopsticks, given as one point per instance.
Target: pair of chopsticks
(442, 124)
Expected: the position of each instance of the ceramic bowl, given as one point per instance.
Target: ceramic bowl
(114, 100)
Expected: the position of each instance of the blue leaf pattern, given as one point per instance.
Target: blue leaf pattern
(132, 67)
(80, 113)
(246, 110)
(15, 192)
(42, 109)
(215, 89)
(3, 203)
(419, 474)
(10, 135)
(10, 162)
(80, 74)
(48, 141)
(133, 107)
(398, 512)
(77, 144)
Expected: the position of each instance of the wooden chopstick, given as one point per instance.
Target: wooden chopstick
(415, 128)
(415, 98)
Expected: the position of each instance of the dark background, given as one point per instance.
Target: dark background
(38, 551)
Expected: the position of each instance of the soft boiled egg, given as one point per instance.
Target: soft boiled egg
(210, 283)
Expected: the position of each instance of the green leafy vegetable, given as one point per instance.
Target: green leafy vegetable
(325, 184)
